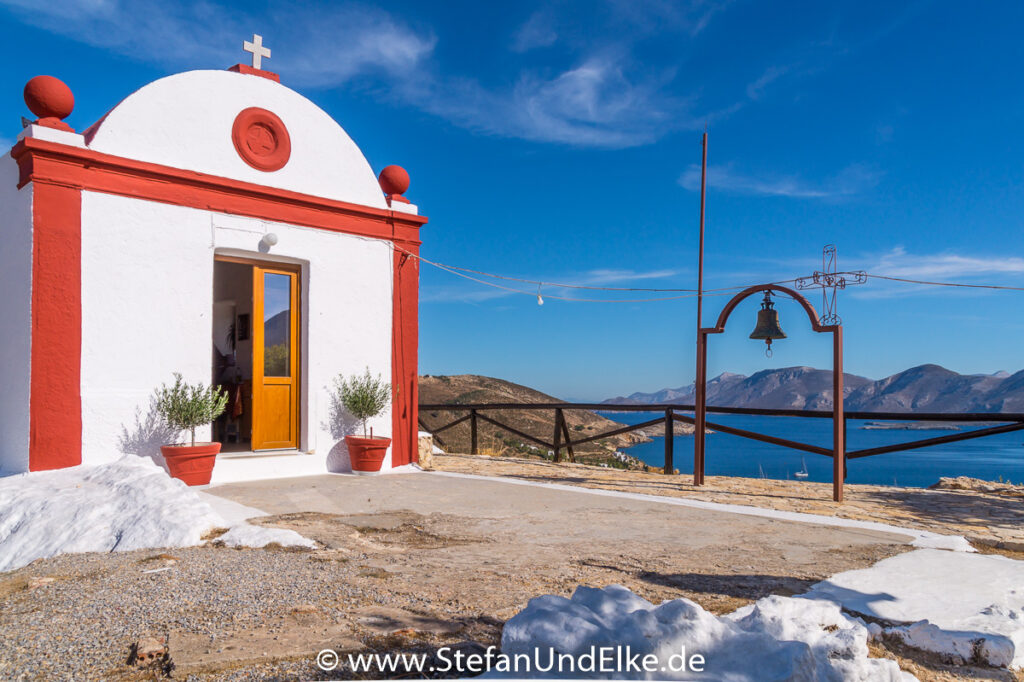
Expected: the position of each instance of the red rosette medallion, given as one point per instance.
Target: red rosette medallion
(261, 139)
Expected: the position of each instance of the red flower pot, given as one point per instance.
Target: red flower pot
(192, 464)
(366, 454)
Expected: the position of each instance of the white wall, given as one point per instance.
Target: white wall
(147, 296)
(15, 317)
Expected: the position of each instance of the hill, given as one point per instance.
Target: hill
(470, 388)
(931, 388)
(927, 388)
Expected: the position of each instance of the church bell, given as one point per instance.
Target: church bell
(767, 328)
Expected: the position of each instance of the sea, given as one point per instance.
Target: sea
(991, 457)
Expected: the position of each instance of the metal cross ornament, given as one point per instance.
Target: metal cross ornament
(257, 50)
(830, 281)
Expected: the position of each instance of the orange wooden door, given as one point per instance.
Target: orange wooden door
(275, 359)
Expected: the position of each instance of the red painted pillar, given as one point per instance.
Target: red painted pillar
(700, 408)
(55, 403)
(838, 417)
(404, 352)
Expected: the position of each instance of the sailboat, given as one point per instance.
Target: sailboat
(803, 472)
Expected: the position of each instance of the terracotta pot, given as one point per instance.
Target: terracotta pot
(192, 464)
(366, 454)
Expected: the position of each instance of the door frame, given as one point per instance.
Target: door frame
(297, 320)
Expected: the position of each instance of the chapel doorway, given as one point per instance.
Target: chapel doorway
(256, 354)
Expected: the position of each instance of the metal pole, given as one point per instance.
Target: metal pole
(472, 433)
(568, 440)
(838, 418)
(700, 381)
(557, 440)
(670, 433)
(700, 410)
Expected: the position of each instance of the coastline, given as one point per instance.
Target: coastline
(920, 426)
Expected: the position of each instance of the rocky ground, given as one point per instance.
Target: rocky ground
(979, 486)
(386, 578)
(233, 614)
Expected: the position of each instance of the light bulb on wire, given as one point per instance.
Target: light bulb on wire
(540, 299)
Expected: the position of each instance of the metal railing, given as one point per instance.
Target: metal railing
(562, 439)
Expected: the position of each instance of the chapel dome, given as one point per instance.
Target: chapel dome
(191, 121)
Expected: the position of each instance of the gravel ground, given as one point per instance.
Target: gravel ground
(386, 578)
(81, 626)
(274, 608)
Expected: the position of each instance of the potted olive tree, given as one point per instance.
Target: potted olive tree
(185, 407)
(364, 397)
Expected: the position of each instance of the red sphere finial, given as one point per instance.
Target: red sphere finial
(49, 97)
(394, 180)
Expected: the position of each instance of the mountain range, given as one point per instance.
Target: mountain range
(927, 388)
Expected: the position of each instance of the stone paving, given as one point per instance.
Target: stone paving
(992, 521)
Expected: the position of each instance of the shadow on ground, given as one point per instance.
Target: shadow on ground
(982, 511)
(752, 586)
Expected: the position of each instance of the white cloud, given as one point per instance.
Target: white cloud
(160, 32)
(470, 293)
(813, 57)
(936, 267)
(610, 276)
(333, 46)
(854, 179)
(594, 104)
(652, 16)
(315, 46)
(884, 133)
(943, 265)
(769, 76)
(602, 99)
(538, 31)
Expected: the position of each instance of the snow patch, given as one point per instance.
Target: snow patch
(967, 606)
(960, 646)
(954, 543)
(128, 504)
(248, 535)
(777, 638)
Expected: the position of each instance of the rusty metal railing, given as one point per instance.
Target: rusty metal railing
(562, 439)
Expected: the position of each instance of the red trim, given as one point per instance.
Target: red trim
(55, 403)
(55, 123)
(404, 350)
(248, 70)
(50, 162)
(261, 139)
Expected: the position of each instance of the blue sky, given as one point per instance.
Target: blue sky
(559, 141)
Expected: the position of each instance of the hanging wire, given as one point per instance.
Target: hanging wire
(461, 272)
(552, 284)
(945, 284)
(684, 293)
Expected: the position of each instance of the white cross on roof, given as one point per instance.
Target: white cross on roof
(257, 49)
